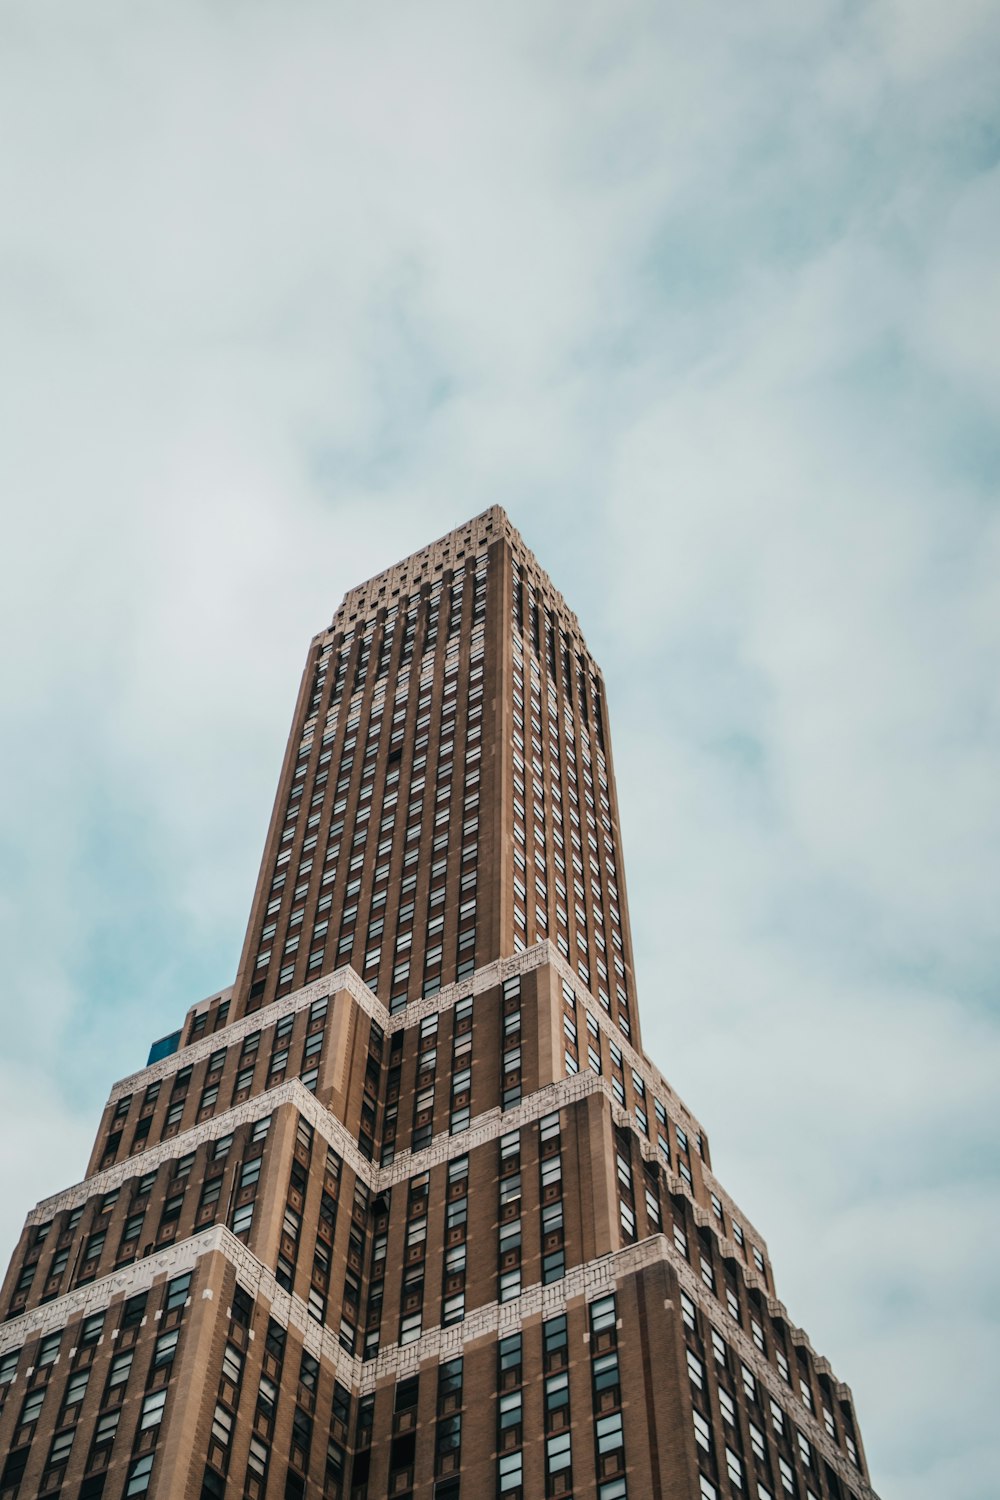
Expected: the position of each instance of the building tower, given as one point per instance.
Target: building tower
(407, 1211)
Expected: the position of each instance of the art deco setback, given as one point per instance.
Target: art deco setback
(406, 1210)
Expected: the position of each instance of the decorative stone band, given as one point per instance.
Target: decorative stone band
(97, 1295)
(489, 1126)
(541, 955)
(329, 985)
(293, 1091)
(395, 1361)
(484, 1128)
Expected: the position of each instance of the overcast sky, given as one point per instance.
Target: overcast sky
(708, 298)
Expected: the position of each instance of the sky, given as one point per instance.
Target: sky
(708, 298)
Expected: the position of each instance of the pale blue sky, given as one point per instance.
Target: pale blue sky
(708, 297)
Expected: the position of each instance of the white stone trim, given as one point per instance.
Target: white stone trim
(292, 1091)
(172, 1260)
(329, 985)
(485, 1127)
(590, 1280)
(540, 955)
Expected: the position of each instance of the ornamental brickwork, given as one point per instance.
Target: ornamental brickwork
(406, 1210)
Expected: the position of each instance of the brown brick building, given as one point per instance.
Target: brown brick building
(407, 1211)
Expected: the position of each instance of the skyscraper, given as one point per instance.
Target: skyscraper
(407, 1210)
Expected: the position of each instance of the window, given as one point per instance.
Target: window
(509, 1353)
(92, 1329)
(76, 1386)
(177, 1291)
(510, 1284)
(32, 1405)
(410, 1328)
(510, 1410)
(152, 1409)
(557, 1452)
(557, 1391)
(138, 1475)
(555, 1336)
(243, 1218)
(605, 1372)
(267, 1396)
(49, 1349)
(120, 1367)
(553, 1266)
(309, 1371)
(250, 1172)
(407, 1394)
(454, 1308)
(257, 1457)
(135, 1309)
(222, 1425)
(609, 1433)
(450, 1378)
(602, 1314)
(165, 1348)
(107, 1426)
(61, 1444)
(509, 1472)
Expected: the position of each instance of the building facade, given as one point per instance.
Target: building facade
(407, 1211)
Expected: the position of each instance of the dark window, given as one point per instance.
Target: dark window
(212, 1485)
(275, 1342)
(242, 1307)
(450, 1377)
(91, 1330)
(341, 1402)
(407, 1393)
(17, 1459)
(309, 1371)
(403, 1451)
(135, 1308)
